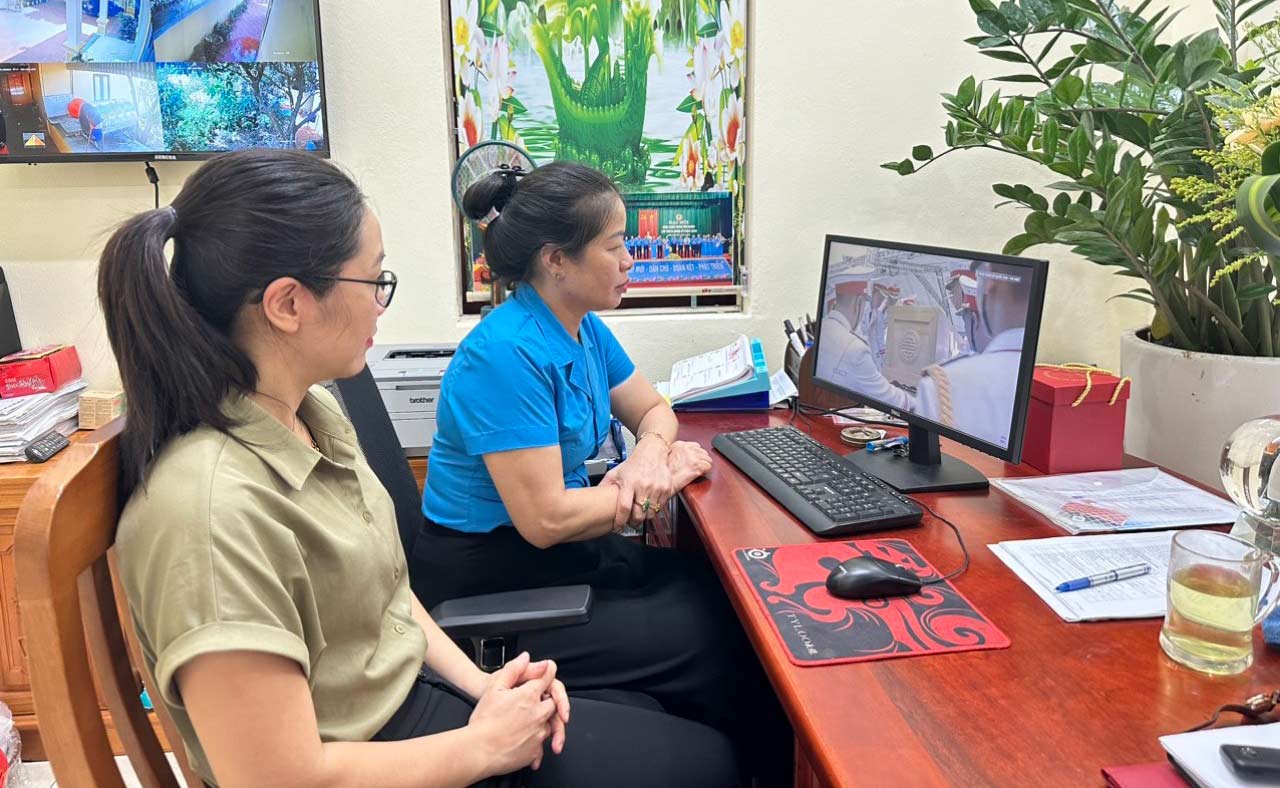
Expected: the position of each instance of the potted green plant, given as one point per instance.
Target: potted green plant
(1152, 148)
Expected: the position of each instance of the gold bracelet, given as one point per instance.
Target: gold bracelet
(655, 434)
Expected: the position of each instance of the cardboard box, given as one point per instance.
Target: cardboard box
(38, 370)
(98, 408)
(1063, 437)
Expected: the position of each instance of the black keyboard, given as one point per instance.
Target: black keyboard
(826, 493)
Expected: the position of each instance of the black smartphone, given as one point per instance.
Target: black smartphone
(1253, 762)
(9, 341)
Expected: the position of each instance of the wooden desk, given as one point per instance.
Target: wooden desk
(1062, 702)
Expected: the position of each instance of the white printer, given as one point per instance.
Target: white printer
(408, 376)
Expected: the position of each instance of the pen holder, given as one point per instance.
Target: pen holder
(791, 363)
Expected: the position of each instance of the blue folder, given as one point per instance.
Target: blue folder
(750, 394)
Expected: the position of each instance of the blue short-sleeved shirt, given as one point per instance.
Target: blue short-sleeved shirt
(518, 381)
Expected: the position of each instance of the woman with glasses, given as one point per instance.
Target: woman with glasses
(257, 549)
(526, 401)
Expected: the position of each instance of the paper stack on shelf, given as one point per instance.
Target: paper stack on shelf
(23, 419)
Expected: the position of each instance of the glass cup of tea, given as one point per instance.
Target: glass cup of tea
(1215, 599)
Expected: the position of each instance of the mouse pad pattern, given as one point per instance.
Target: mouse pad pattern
(819, 629)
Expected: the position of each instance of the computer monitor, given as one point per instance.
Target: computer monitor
(943, 339)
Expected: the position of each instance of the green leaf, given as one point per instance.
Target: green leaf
(1005, 190)
(966, 92)
(489, 27)
(1252, 211)
(515, 106)
(1204, 72)
(922, 153)
(1020, 243)
(993, 23)
(949, 134)
(1038, 202)
(1137, 295)
(999, 54)
(1254, 291)
(709, 29)
(1049, 138)
(1014, 141)
(1013, 14)
(1061, 203)
(688, 104)
(1017, 78)
(1080, 214)
(905, 167)
(1069, 89)
(1078, 147)
(979, 6)
(1271, 159)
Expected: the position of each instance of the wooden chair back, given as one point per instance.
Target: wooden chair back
(74, 623)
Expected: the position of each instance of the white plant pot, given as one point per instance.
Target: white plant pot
(1185, 404)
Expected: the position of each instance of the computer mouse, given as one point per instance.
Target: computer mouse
(865, 577)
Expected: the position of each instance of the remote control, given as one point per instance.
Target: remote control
(46, 446)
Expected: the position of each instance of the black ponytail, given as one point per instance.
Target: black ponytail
(241, 221)
(563, 204)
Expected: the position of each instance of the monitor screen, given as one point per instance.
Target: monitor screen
(96, 80)
(945, 339)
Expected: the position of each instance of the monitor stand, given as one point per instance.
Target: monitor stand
(924, 469)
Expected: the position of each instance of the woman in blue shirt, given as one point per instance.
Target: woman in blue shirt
(525, 403)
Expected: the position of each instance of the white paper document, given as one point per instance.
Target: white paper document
(1044, 563)
(1199, 754)
(712, 370)
(781, 387)
(1133, 499)
(23, 419)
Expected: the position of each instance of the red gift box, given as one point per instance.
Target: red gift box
(38, 370)
(1066, 434)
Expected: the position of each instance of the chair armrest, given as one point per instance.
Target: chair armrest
(514, 611)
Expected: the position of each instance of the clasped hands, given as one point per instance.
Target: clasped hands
(651, 475)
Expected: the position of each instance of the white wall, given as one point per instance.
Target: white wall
(837, 88)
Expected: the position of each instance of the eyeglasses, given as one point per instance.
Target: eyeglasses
(384, 286)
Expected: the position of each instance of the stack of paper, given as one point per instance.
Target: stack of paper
(714, 369)
(1044, 563)
(1199, 753)
(734, 377)
(1130, 500)
(23, 419)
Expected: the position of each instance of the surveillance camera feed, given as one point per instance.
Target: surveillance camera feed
(929, 334)
(97, 79)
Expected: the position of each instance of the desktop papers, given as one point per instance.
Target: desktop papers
(1134, 499)
(712, 370)
(781, 388)
(1044, 563)
(23, 419)
(1199, 756)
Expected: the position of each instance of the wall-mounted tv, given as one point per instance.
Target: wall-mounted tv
(103, 80)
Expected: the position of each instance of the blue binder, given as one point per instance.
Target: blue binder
(750, 394)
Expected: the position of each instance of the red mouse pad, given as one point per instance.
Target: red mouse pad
(819, 629)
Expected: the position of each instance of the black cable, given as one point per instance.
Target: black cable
(154, 177)
(798, 407)
(964, 566)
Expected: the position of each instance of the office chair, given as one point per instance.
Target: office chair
(488, 625)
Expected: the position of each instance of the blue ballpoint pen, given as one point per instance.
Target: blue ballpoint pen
(1123, 573)
(887, 443)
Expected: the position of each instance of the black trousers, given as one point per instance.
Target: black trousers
(660, 625)
(605, 743)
